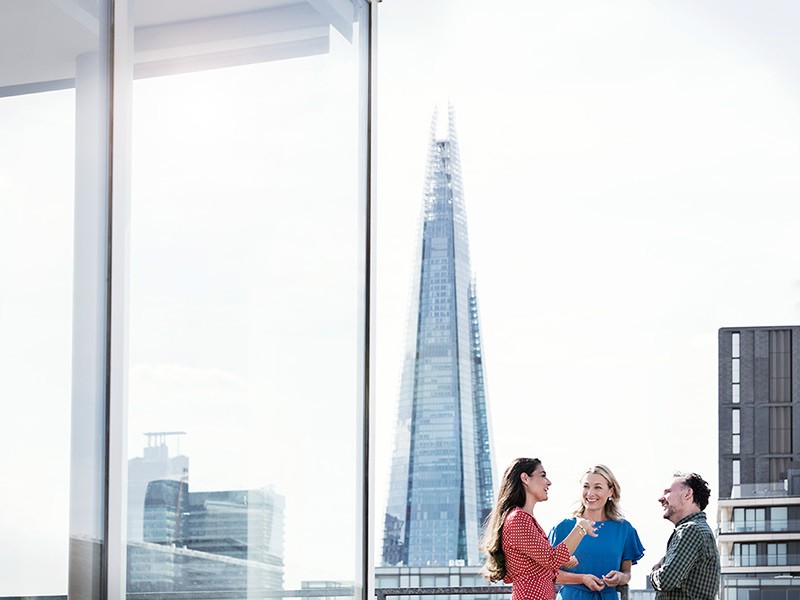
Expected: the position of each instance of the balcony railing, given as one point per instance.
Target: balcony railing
(761, 560)
(783, 526)
(382, 593)
(760, 490)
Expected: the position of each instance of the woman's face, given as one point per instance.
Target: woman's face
(536, 484)
(596, 491)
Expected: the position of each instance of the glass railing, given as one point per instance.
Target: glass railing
(479, 591)
(444, 591)
(760, 490)
(790, 525)
(761, 560)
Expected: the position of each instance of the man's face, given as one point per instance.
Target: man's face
(676, 500)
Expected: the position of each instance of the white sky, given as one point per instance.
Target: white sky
(631, 182)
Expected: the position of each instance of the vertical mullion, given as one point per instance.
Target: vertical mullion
(117, 277)
(367, 256)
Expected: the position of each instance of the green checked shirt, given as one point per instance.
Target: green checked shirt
(690, 570)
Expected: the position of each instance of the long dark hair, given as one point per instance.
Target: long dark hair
(510, 495)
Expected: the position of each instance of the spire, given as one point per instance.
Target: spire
(441, 483)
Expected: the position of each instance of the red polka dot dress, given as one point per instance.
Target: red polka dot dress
(531, 562)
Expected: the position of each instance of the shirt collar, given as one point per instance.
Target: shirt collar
(698, 516)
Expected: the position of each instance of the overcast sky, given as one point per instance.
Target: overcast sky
(631, 184)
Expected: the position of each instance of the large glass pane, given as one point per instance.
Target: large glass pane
(779, 518)
(247, 200)
(52, 303)
(36, 235)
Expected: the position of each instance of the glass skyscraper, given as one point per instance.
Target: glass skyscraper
(184, 541)
(441, 478)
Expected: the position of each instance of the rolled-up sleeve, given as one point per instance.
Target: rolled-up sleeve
(681, 553)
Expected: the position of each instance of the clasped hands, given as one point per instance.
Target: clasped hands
(610, 579)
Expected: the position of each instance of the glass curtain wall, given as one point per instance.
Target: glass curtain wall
(36, 248)
(244, 281)
(184, 311)
(53, 263)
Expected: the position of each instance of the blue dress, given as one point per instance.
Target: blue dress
(616, 541)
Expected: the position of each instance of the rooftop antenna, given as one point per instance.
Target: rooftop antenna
(156, 439)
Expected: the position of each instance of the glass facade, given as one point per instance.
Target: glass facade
(169, 176)
(441, 479)
(36, 267)
(54, 186)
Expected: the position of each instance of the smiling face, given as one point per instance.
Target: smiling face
(536, 484)
(677, 501)
(596, 492)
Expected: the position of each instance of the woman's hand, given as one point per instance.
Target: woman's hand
(593, 583)
(586, 526)
(615, 578)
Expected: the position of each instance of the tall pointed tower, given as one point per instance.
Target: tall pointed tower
(440, 489)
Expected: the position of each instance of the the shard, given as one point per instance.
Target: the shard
(440, 488)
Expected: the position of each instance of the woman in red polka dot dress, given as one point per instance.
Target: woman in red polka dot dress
(515, 544)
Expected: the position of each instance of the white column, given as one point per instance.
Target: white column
(87, 453)
(98, 461)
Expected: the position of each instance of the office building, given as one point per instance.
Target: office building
(228, 540)
(155, 464)
(759, 463)
(440, 487)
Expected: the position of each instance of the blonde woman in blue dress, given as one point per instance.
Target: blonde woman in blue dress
(604, 562)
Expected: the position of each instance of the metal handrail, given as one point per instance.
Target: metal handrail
(382, 593)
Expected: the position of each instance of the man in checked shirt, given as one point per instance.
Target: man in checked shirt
(690, 568)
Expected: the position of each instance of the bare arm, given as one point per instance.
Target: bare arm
(582, 527)
(590, 581)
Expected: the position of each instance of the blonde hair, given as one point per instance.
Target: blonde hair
(612, 508)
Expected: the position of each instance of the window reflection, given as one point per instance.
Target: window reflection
(244, 282)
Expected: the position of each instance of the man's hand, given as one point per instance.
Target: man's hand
(658, 564)
(571, 563)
